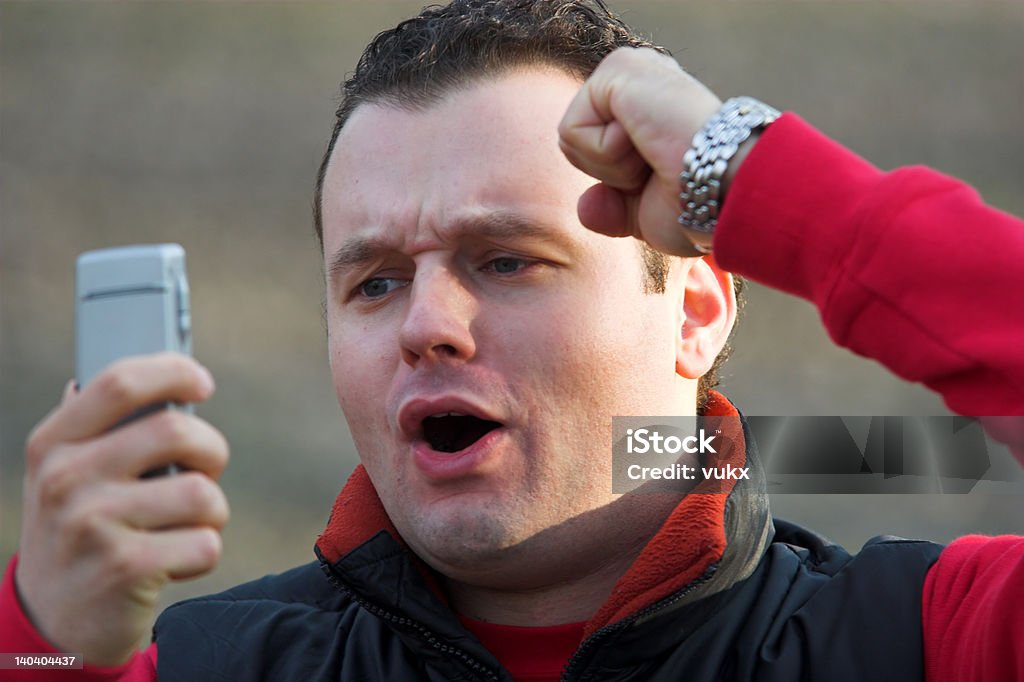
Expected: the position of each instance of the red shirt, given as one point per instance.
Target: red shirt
(529, 654)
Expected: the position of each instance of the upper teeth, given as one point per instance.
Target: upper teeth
(449, 414)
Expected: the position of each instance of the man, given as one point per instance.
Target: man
(484, 329)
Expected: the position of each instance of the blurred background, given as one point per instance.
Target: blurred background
(203, 123)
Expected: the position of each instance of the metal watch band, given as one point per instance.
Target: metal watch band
(707, 160)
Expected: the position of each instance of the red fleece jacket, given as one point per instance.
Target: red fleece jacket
(889, 259)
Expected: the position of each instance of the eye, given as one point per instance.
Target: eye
(380, 286)
(506, 265)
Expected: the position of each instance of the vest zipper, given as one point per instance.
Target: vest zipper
(408, 623)
(571, 668)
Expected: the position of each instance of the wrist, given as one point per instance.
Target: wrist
(737, 161)
(711, 157)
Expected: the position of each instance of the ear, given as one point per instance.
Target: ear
(709, 312)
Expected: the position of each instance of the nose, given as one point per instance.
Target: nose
(437, 322)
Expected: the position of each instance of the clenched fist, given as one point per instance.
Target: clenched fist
(97, 542)
(629, 127)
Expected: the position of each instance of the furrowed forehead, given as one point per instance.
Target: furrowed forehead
(419, 94)
(474, 148)
(505, 227)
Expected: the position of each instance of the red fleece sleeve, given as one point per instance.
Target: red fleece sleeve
(908, 267)
(973, 611)
(912, 269)
(19, 636)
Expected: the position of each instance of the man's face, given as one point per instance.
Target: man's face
(481, 339)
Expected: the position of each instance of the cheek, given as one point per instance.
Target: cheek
(611, 354)
(357, 371)
(562, 355)
(361, 387)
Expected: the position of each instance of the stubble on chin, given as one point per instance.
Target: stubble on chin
(468, 538)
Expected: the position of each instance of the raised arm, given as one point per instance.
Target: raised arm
(908, 267)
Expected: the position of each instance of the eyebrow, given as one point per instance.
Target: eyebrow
(497, 225)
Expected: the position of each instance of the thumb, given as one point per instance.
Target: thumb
(607, 211)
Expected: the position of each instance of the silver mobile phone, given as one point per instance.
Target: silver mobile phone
(130, 300)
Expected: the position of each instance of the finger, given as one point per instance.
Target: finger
(39, 441)
(180, 553)
(656, 104)
(121, 389)
(606, 210)
(125, 454)
(604, 151)
(156, 440)
(614, 213)
(596, 142)
(187, 500)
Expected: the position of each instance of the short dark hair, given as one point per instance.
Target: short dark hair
(445, 48)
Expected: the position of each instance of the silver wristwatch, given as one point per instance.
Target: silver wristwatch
(707, 160)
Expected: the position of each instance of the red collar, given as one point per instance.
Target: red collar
(691, 539)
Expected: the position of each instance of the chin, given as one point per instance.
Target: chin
(469, 538)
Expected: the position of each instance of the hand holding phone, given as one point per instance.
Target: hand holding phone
(98, 541)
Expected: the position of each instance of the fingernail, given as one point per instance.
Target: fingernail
(70, 389)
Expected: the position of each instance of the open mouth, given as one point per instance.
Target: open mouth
(452, 432)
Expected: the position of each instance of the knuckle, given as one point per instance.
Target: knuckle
(124, 564)
(174, 428)
(572, 137)
(36, 448)
(198, 491)
(626, 55)
(620, 55)
(223, 448)
(218, 447)
(205, 500)
(86, 528)
(180, 364)
(225, 511)
(577, 159)
(208, 547)
(220, 511)
(56, 481)
(209, 446)
(115, 386)
(565, 128)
